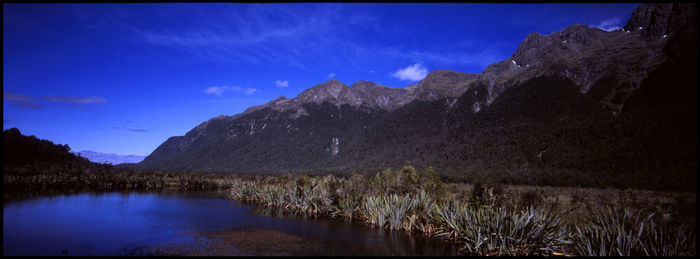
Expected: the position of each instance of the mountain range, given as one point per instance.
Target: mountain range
(580, 106)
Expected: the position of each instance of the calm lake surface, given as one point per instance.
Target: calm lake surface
(178, 223)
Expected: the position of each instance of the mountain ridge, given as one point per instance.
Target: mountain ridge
(581, 41)
(448, 119)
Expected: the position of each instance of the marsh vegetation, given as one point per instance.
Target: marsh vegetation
(491, 219)
(482, 218)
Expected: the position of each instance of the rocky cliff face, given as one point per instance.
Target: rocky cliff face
(557, 88)
(655, 21)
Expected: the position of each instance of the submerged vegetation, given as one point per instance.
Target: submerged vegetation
(487, 219)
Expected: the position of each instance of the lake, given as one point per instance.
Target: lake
(188, 223)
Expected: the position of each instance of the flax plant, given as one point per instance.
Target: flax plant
(407, 200)
(625, 233)
(396, 207)
(498, 231)
(373, 211)
(421, 218)
(346, 207)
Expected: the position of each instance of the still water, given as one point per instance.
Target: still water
(178, 223)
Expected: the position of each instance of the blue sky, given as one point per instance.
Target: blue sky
(123, 78)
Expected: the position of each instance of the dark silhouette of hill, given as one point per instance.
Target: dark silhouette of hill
(20, 150)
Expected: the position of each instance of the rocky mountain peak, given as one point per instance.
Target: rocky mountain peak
(333, 83)
(656, 20)
(363, 84)
(321, 92)
(280, 98)
(443, 83)
(531, 47)
(578, 34)
(580, 53)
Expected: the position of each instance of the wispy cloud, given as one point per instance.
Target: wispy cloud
(74, 99)
(252, 33)
(415, 72)
(30, 105)
(16, 97)
(483, 57)
(138, 130)
(281, 84)
(610, 24)
(32, 102)
(219, 90)
(288, 35)
(21, 100)
(256, 33)
(331, 75)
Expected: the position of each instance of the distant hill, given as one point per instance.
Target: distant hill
(114, 159)
(581, 106)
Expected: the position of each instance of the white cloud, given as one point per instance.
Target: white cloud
(331, 75)
(411, 73)
(245, 90)
(281, 84)
(218, 90)
(609, 24)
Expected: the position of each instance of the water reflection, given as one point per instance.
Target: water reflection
(383, 241)
(122, 223)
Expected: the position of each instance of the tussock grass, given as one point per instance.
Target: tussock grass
(486, 219)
